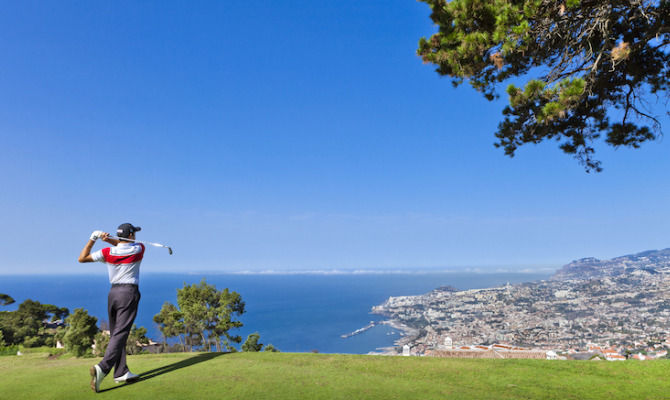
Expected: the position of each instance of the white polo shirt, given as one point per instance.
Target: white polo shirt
(123, 262)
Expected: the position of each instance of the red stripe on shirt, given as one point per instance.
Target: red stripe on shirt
(124, 259)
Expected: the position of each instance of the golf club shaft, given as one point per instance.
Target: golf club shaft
(139, 241)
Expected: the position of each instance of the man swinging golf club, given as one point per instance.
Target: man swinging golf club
(123, 264)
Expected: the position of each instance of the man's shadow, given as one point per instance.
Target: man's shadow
(169, 368)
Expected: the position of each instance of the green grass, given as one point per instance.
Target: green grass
(324, 376)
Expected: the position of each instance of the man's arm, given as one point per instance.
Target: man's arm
(85, 255)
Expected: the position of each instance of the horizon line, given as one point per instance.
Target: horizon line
(324, 272)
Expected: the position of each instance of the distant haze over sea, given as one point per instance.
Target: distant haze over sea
(407, 271)
(100, 269)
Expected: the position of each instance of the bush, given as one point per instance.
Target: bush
(101, 340)
(33, 341)
(56, 352)
(251, 344)
(49, 341)
(271, 348)
(175, 348)
(8, 350)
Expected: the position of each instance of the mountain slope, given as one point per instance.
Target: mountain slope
(646, 262)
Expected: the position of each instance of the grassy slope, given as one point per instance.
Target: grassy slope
(323, 376)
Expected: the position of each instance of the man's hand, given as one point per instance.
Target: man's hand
(105, 237)
(96, 235)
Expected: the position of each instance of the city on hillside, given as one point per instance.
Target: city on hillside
(613, 309)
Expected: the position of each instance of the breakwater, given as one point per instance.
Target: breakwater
(372, 324)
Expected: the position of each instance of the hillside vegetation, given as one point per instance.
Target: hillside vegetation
(325, 376)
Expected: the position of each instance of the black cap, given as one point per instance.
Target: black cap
(126, 229)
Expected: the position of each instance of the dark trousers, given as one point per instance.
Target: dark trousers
(122, 305)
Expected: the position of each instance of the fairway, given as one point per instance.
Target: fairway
(326, 376)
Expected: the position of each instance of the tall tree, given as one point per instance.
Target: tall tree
(169, 321)
(594, 61)
(209, 314)
(228, 306)
(28, 321)
(194, 302)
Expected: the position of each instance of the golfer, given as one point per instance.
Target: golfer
(123, 264)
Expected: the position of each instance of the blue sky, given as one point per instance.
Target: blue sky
(284, 136)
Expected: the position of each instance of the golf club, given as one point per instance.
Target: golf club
(138, 241)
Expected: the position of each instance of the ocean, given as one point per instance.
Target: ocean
(297, 312)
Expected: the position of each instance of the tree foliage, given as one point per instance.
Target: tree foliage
(271, 348)
(251, 344)
(229, 305)
(26, 325)
(136, 338)
(101, 341)
(80, 331)
(6, 299)
(169, 321)
(203, 315)
(595, 61)
(195, 303)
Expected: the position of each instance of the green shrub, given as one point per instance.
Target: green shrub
(8, 350)
(33, 341)
(271, 348)
(137, 336)
(251, 344)
(56, 352)
(101, 341)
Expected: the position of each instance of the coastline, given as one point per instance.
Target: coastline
(407, 335)
(296, 313)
